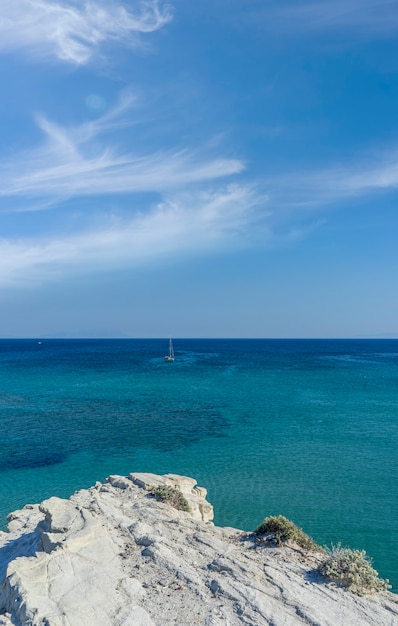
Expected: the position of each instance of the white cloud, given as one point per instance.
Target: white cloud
(330, 185)
(67, 165)
(195, 213)
(73, 31)
(109, 172)
(181, 224)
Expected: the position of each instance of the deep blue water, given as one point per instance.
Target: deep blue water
(303, 428)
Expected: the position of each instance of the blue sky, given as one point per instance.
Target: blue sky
(199, 169)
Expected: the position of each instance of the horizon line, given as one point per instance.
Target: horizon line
(162, 338)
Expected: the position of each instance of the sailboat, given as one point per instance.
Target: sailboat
(170, 355)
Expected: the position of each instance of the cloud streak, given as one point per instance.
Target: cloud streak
(196, 212)
(331, 185)
(66, 165)
(74, 31)
(180, 224)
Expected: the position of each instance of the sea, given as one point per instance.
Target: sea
(307, 429)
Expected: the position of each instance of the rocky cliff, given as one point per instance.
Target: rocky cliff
(113, 555)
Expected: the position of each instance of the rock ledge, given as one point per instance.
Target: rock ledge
(112, 555)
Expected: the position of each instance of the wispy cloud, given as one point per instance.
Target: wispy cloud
(368, 17)
(197, 210)
(196, 213)
(330, 185)
(66, 164)
(73, 31)
(180, 224)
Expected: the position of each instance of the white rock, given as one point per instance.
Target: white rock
(200, 509)
(113, 555)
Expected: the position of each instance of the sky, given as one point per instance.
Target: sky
(199, 168)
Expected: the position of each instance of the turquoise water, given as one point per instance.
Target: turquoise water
(303, 428)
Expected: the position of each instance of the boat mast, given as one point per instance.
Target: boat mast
(170, 355)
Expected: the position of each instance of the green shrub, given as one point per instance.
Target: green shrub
(172, 496)
(352, 569)
(283, 530)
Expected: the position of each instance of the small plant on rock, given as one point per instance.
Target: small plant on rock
(172, 496)
(352, 569)
(282, 529)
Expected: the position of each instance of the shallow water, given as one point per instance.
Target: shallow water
(303, 428)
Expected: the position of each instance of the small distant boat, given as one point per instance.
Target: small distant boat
(170, 355)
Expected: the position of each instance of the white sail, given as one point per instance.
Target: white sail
(170, 355)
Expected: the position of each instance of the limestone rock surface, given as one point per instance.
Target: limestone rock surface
(112, 555)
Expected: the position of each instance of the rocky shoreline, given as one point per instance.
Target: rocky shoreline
(113, 555)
